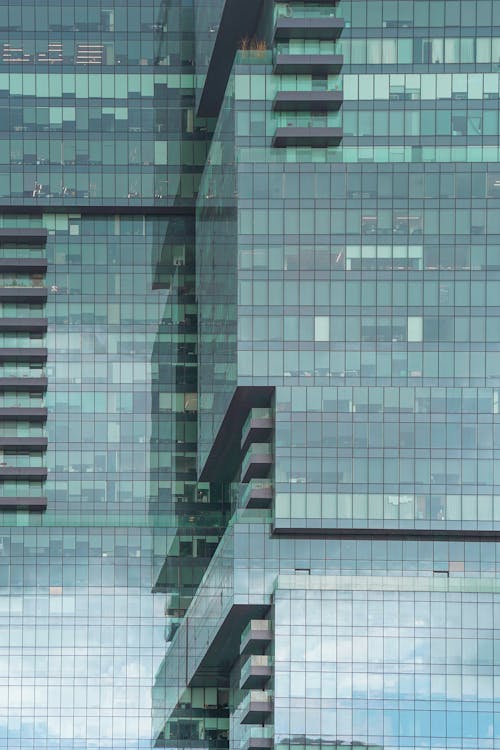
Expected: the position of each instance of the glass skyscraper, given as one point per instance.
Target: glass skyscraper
(249, 374)
(97, 358)
(347, 245)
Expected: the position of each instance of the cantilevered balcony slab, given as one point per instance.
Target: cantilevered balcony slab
(23, 385)
(257, 462)
(313, 64)
(31, 325)
(31, 236)
(22, 472)
(256, 707)
(319, 27)
(23, 354)
(23, 503)
(258, 494)
(24, 443)
(314, 136)
(225, 456)
(257, 428)
(256, 637)
(34, 265)
(23, 413)
(23, 294)
(331, 3)
(255, 673)
(259, 743)
(308, 101)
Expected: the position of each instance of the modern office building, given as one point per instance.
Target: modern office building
(249, 374)
(348, 289)
(97, 358)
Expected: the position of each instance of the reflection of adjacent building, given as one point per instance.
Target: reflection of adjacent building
(196, 511)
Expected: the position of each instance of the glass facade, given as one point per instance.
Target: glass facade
(100, 157)
(346, 236)
(249, 374)
(80, 631)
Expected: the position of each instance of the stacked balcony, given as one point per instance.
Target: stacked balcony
(257, 494)
(308, 101)
(259, 741)
(23, 354)
(323, 27)
(257, 427)
(303, 22)
(257, 462)
(256, 707)
(256, 638)
(256, 445)
(256, 672)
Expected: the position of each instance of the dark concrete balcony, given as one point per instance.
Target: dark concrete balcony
(256, 707)
(22, 444)
(257, 428)
(258, 494)
(255, 672)
(23, 384)
(23, 413)
(308, 101)
(257, 462)
(313, 64)
(22, 472)
(259, 743)
(23, 503)
(319, 27)
(29, 236)
(23, 354)
(331, 3)
(256, 637)
(316, 137)
(31, 325)
(34, 265)
(23, 294)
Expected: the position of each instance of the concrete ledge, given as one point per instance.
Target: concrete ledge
(23, 354)
(308, 101)
(23, 503)
(33, 325)
(308, 64)
(316, 137)
(26, 385)
(28, 236)
(321, 27)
